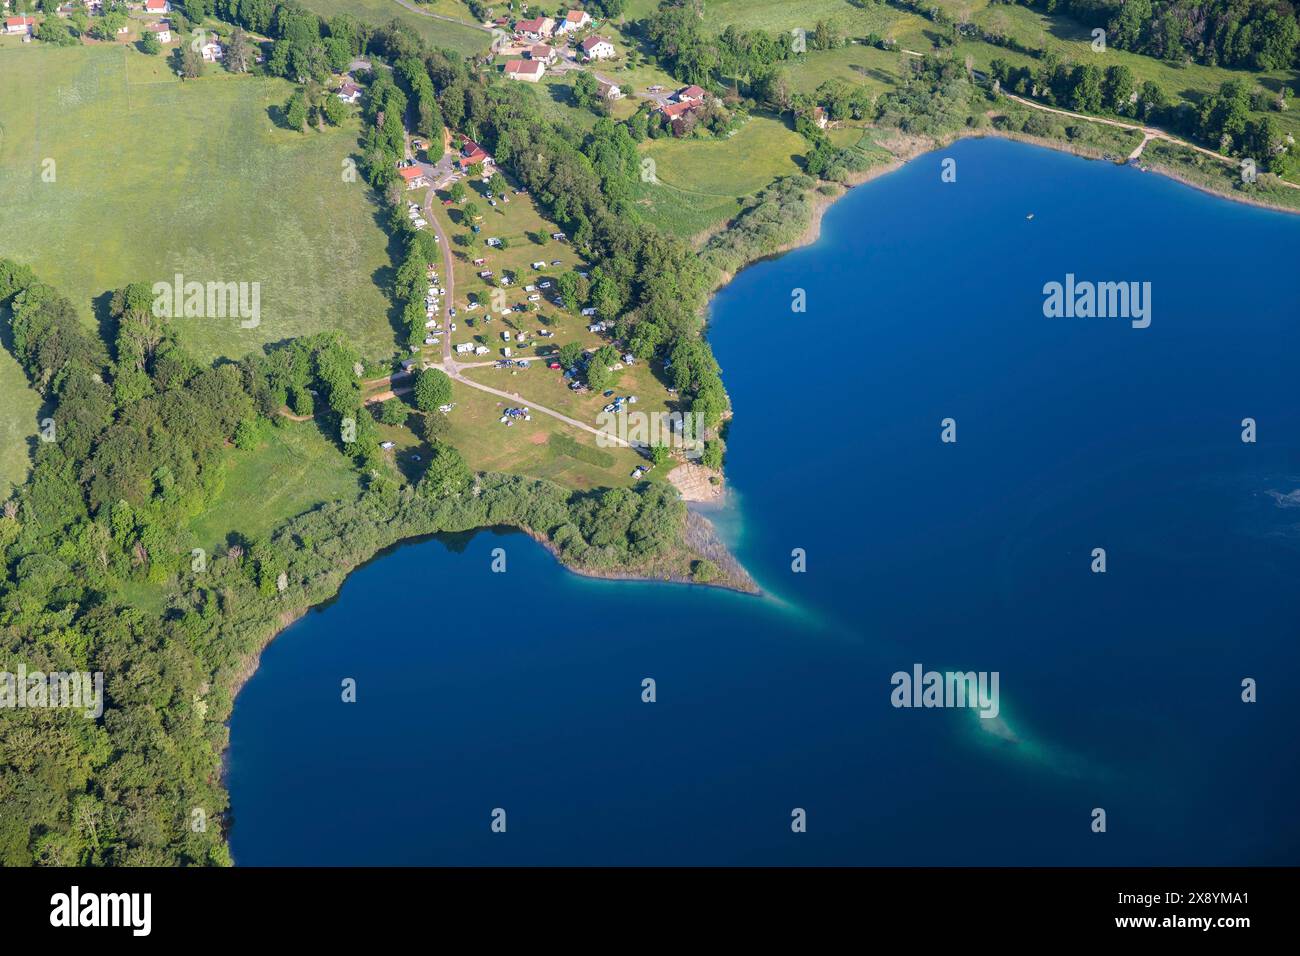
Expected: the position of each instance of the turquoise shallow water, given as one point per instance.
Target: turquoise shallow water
(1121, 691)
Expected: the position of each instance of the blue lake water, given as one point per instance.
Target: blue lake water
(1119, 691)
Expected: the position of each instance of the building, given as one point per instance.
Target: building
(157, 6)
(413, 176)
(212, 51)
(15, 26)
(597, 48)
(819, 117)
(690, 94)
(542, 52)
(161, 30)
(538, 28)
(574, 20)
(471, 153)
(529, 71)
(608, 90)
(349, 92)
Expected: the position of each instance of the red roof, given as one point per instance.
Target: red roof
(691, 93)
(153, 5)
(590, 42)
(674, 110)
(527, 67)
(410, 172)
(20, 22)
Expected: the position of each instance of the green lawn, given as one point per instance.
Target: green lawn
(461, 38)
(154, 177)
(701, 181)
(294, 470)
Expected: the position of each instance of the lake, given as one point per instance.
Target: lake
(1119, 690)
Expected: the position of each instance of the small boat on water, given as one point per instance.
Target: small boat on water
(1030, 216)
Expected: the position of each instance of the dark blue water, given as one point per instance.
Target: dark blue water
(1118, 690)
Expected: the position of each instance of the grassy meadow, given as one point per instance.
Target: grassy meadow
(461, 37)
(153, 177)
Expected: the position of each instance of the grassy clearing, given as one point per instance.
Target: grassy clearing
(701, 182)
(461, 37)
(154, 177)
(527, 448)
(294, 470)
(19, 410)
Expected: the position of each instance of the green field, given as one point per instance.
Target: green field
(154, 177)
(701, 181)
(294, 470)
(19, 408)
(463, 38)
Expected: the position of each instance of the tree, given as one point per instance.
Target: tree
(432, 388)
(295, 111)
(471, 211)
(191, 63)
(586, 90)
(393, 412)
(570, 353)
(597, 375)
(457, 192)
(150, 44)
(1118, 88)
(239, 52)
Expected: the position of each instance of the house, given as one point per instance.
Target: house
(212, 51)
(597, 48)
(472, 153)
(157, 6)
(414, 177)
(162, 31)
(19, 25)
(819, 117)
(349, 92)
(542, 52)
(574, 20)
(608, 90)
(690, 94)
(530, 71)
(539, 28)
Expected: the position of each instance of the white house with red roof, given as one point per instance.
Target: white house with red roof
(157, 6)
(597, 48)
(15, 26)
(413, 176)
(538, 28)
(543, 52)
(349, 92)
(162, 31)
(471, 153)
(574, 20)
(690, 94)
(530, 71)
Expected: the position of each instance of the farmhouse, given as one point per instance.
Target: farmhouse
(574, 20)
(161, 30)
(471, 153)
(597, 48)
(542, 52)
(212, 51)
(690, 94)
(530, 71)
(349, 92)
(19, 25)
(413, 176)
(608, 90)
(157, 6)
(538, 28)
